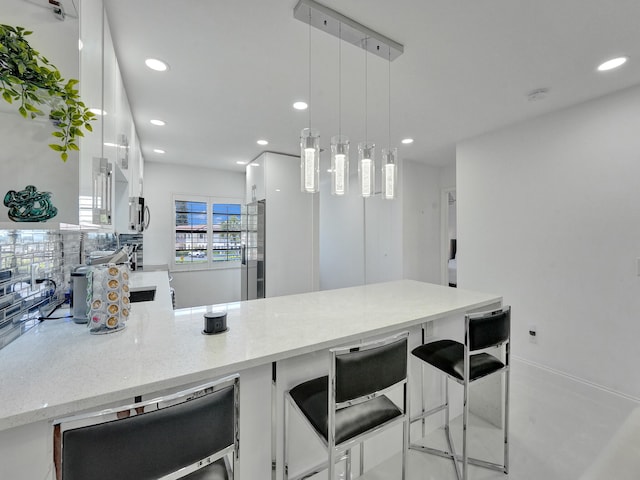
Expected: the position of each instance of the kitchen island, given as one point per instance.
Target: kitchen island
(58, 368)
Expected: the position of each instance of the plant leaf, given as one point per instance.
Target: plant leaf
(31, 80)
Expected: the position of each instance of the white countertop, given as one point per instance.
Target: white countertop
(58, 368)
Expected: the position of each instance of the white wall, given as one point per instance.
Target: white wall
(360, 239)
(448, 180)
(549, 214)
(421, 222)
(448, 175)
(399, 238)
(161, 182)
(26, 159)
(341, 235)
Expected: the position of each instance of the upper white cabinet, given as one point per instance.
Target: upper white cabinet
(254, 190)
(111, 160)
(25, 156)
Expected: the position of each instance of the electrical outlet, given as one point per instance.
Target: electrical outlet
(533, 334)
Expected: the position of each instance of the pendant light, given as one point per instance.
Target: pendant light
(309, 164)
(366, 150)
(339, 143)
(389, 155)
(310, 145)
(334, 23)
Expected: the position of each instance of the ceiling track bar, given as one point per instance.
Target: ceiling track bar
(329, 21)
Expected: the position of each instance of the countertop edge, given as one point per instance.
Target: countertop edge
(53, 412)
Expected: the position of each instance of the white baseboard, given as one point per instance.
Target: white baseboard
(577, 379)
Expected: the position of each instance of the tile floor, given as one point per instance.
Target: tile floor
(558, 426)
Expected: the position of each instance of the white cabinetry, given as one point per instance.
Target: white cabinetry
(291, 224)
(25, 156)
(255, 180)
(111, 160)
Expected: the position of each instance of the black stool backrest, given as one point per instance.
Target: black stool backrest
(489, 329)
(153, 444)
(361, 372)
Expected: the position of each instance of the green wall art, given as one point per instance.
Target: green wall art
(29, 205)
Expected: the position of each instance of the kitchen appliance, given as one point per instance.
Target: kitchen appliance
(253, 251)
(79, 283)
(139, 215)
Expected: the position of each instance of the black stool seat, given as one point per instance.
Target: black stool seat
(215, 471)
(448, 356)
(312, 399)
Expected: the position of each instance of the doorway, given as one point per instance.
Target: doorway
(449, 237)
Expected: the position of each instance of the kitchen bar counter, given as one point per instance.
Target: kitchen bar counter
(58, 368)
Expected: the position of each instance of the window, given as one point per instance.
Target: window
(226, 232)
(207, 232)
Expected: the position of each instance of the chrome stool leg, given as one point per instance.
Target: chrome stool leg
(285, 443)
(347, 467)
(465, 420)
(447, 428)
(422, 396)
(506, 411)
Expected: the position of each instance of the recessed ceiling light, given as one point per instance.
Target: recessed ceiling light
(613, 63)
(160, 123)
(300, 105)
(262, 142)
(97, 111)
(241, 162)
(157, 65)
(407, 141)
(158, 150)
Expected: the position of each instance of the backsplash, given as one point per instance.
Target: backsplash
(35, 271)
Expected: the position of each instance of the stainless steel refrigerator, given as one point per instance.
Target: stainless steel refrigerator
(253, 257)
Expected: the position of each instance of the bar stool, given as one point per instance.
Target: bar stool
(349, 406)
(458, 363)
(188, 434)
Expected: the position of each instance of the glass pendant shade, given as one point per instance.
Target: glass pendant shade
(389, 173)
(366, 169)
(309, 160)
(339, 165)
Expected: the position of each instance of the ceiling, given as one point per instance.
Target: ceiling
(236, 67)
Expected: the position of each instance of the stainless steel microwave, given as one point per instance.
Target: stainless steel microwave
(139, 215)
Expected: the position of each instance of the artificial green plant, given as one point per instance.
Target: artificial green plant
(31, 81)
